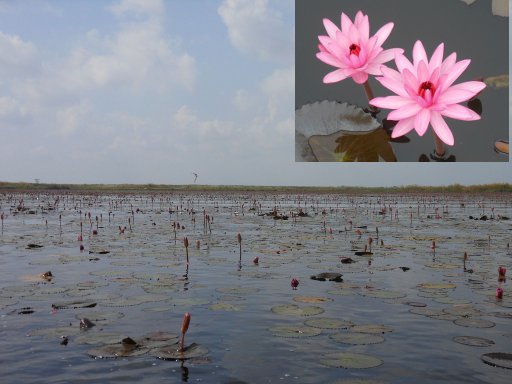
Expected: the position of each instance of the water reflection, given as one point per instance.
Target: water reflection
(349, 146)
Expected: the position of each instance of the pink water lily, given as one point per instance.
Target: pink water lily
(425, 94)
(352, 50)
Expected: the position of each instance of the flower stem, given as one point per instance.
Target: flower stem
(369, 94)
(368, 90)
(439, 145)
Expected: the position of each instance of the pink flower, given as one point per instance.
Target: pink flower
(352, 50)
(424, 92)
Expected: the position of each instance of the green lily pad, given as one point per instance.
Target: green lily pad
(172, 352)
(311, 299)
(371, 328)
(295, 331)
(473, 341)
(74, 304)
(383, 294)
(463, 311)
(100, 317)
(99, 337)
(498, 359)
(295, 310)
(113, 351)
(328, 323)
(221, 306)
(474, 323)
(356, 338)
(435, 286)
(350, 360)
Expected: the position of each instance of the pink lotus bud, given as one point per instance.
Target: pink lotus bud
(499, 293)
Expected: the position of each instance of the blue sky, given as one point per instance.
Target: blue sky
(149, 91)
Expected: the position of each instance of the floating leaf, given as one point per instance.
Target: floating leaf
(414, 304)
(382, 294)
(473, 341)
(328, 323)
(294, 331)
(74, 304)
(498, 359)
(113, 351)
(295, 310)
(328, 276)
(99, 337)
(311, 299)
(356, 338)
(474, 323)
(437, 286)
(172, 352)
(371, 328)
(224, 307)
(350, 360)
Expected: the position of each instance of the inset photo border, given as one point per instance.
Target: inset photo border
(401, 81)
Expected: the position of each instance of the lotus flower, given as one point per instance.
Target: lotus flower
(352, 50)
(424, 92)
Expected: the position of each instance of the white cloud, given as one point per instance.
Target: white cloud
(154, 8)
(17, 56)
(257, 29)
(70, 119)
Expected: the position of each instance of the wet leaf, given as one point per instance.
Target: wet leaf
(172, 352)
(357, 338)
(473, 341)
(328, 323)
(350, 360)
(295, 331)
(498, 359)
(295, 310)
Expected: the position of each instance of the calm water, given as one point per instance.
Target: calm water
(473, 32)
(140, 285)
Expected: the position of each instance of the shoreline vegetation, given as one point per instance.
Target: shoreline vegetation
(133, 188)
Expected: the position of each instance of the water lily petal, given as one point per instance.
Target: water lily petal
(343, 41)
(404, 112)
(421, 121)
(402, 127)
(391, 73)
(383, 33)
(418, 53)
(454, 73)
(441, 128)
(321, 48)
(448, 63)
(387, 55)
(329, 59)
(471, 86)
(391, 102)
(423, 72)
(402, 63)
(334, 76)
(345, 23)
(364, 28)
(459, 112)
(454, 95)
(360, 77)
(331, 28)
(393, 85)
(437, 59)
(411, 80)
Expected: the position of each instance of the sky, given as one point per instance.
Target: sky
(152, 91)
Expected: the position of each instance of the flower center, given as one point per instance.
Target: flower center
(354, 49)
(426, 86)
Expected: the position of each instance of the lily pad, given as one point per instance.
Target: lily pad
(357, 338)
(113, 351)
(498, 359)
(295, 331)
(222, 306)
(295, 310)
(74, 304)
(350, 360)
(311, 299)
(436, 286)
(382, 294)
(328, 276)
(474, 323)
(328, 323)
(371, 328)
(172, 352)
(473, 341)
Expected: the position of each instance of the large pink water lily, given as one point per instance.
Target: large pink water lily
(424, 92)
(352, 50)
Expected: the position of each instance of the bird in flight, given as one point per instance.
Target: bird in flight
(195, 176)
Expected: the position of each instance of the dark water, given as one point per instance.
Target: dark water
(141, 281)
(473, 32)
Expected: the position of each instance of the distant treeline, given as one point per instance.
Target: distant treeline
(454, 188)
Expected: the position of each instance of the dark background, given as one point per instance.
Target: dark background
(473, 32)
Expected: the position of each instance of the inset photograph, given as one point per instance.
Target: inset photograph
(401, 81)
